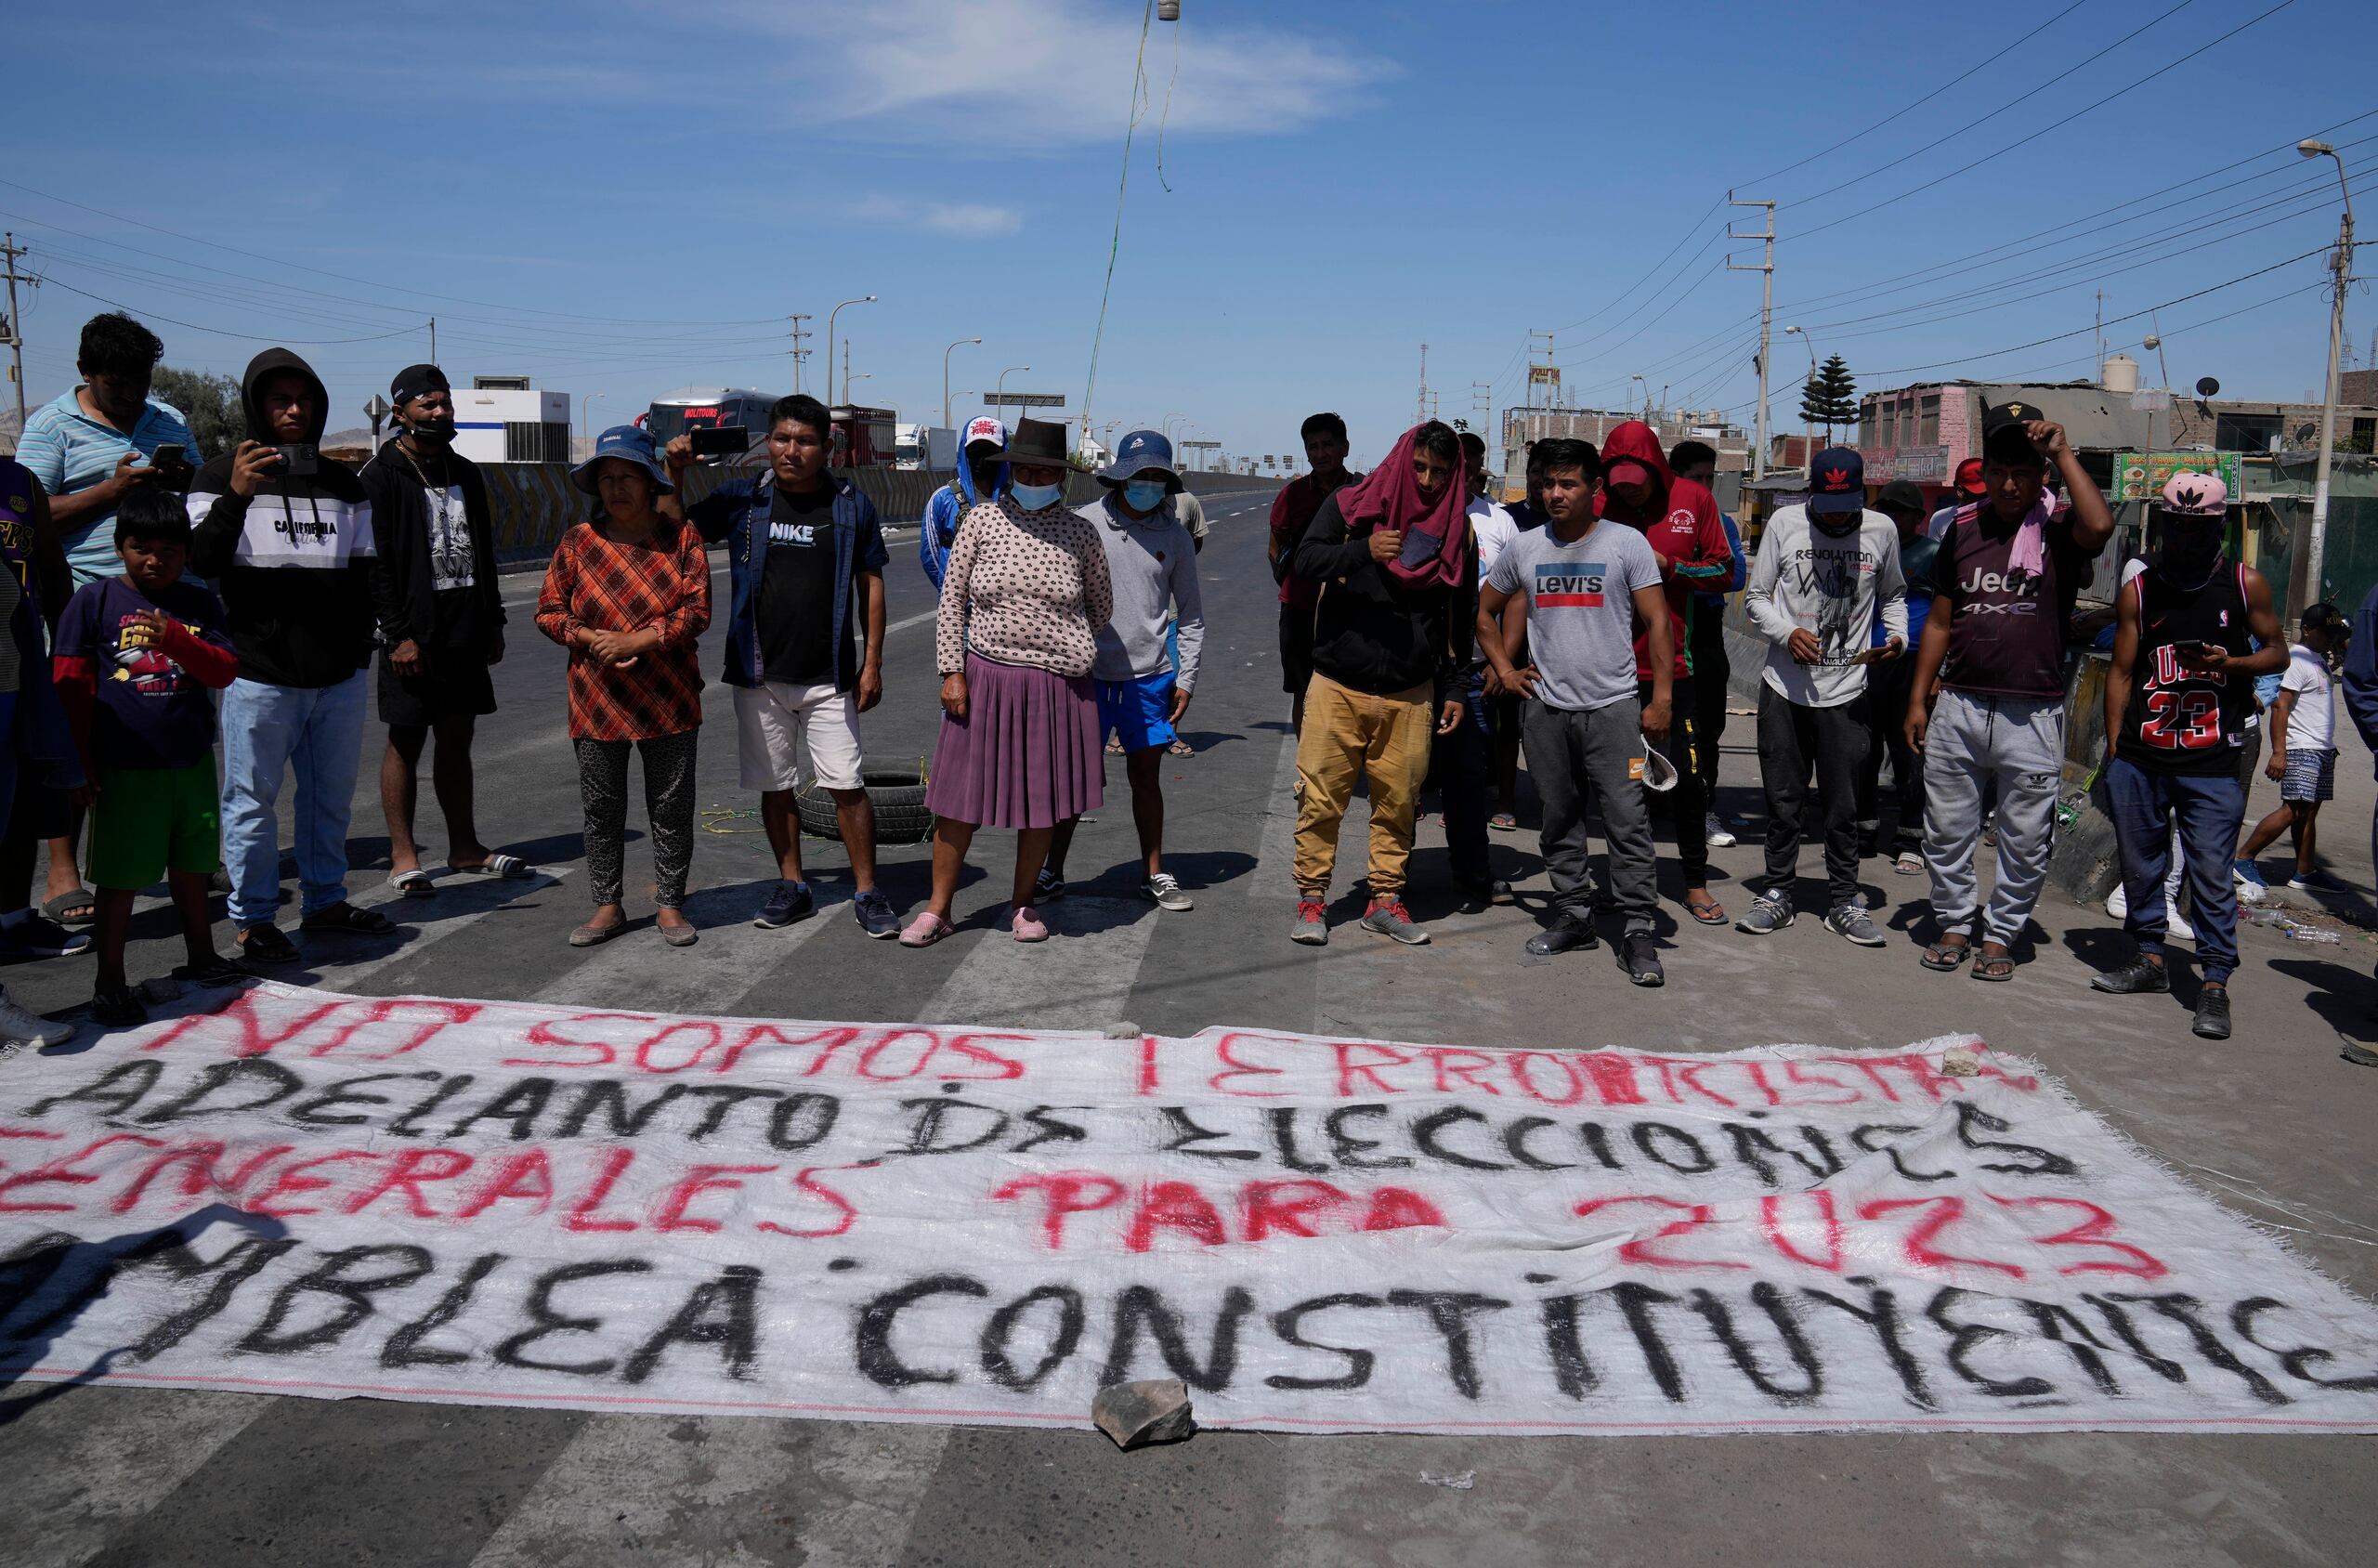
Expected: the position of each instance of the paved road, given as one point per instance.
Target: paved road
(2273, 1122)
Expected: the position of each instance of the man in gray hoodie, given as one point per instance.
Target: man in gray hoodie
(1151, 561)
(1820, 571)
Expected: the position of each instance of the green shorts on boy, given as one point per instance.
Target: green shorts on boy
(136, 657)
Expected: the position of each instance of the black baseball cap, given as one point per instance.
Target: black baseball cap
(1902, 495)
(1836, 482)
(415, 381)
(2003, 433)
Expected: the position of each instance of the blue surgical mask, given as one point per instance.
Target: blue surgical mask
(1034, 497)
(1144, 495)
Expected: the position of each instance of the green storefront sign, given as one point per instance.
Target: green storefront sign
(2141, 476)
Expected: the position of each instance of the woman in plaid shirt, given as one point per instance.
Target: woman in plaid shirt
(628, 595)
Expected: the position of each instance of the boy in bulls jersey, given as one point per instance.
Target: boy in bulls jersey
(2178, 699)
(137, 657)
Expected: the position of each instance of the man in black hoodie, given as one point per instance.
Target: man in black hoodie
(442, 624)
(286, 535)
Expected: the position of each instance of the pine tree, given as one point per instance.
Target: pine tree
(1830, 398)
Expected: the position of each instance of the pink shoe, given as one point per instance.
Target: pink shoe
(1027, 925)
(925, 930)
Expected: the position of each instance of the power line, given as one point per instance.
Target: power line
(217, 331)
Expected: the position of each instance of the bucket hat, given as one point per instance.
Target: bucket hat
(629, 443)
(1139, 452)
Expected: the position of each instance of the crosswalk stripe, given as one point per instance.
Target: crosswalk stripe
(722, 1489)
(83, 1467)
(643, 974)
(1273, 878)
(1080, 978)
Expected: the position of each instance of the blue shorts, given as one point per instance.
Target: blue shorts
(2311, 777)
(1139, 711)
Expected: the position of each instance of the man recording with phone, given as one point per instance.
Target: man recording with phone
(441, 624)
(286, 535)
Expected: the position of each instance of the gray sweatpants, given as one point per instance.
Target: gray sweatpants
(2019, 742)
(1582, 758)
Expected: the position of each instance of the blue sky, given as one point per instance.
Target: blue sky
(622, 198)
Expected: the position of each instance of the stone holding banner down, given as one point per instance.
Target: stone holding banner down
(495, 1203)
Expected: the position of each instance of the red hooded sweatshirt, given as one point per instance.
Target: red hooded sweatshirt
(1681, 521)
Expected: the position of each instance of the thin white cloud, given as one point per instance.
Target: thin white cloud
(972, 221)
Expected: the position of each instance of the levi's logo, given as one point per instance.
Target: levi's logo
(1559, 585)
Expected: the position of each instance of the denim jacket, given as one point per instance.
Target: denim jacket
(737, 513)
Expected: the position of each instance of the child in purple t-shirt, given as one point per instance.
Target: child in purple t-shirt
(136, 657)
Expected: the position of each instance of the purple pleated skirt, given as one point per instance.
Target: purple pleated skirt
(1026, 753)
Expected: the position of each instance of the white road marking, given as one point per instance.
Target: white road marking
(1080, 978)
(1273, 879)
(729, 1491)
(477, 897)
(84, 1466)
(642, 972)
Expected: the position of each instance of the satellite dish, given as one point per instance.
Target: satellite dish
(2206, 386)
(2304, 431)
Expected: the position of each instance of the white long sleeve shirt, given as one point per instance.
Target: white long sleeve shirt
(1806, 579)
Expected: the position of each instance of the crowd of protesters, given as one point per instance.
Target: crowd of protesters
(1428, 635)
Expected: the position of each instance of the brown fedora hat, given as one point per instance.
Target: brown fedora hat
(1039, 443)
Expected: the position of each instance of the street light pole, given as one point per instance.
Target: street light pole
(945, 379)
(586, 408)
(863, 299)
(2341, 266)
(1807, 426)
(1647, 398)
(1002, 381)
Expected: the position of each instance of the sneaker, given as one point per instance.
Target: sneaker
(1769, 914)
(790, 902)
(1047, 887)
(1568, 932)
(1390, 918)
(214, 970)
(2212, 1014)
(116, 1007)
(1165, 891)
(1909, 864)
(1312, 923)
(2317, 881)
(1639, 958)
(20, 1029)
(1025, 926)
(1853, 922)
(1718, 837)
(2133, 979)
(875, 914)
(2248, 878)
(2176, 927)
(38, 936)
(264, 943)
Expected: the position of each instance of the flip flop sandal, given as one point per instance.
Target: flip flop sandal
(1710, 913)
(1182, 749)
(1999, 967)
(1114, 745)
(1946, 957)
(414, 884)
(509, 867)
(1503, 822)
(82, 899)
(347, 918)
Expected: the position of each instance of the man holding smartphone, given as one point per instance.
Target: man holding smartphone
(286, 535)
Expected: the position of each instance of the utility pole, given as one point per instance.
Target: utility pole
(1766, 319)
(846, 372)
(1481, 407)
(433, 340)
(800, 335)
(2341, 263)
(1421, 408)
(2101, 337)
(12, 250)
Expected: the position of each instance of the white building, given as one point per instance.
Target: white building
(512, 426)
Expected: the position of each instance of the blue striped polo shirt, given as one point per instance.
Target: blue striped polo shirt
(68, 451)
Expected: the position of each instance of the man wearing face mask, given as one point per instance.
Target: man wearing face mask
(2003, 587)
(286, 534)
(981, 476)
(441, 624)
(1142, 686)
(2179, 699)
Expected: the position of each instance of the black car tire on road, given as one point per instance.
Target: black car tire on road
(900, 813)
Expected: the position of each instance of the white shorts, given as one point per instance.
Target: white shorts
(774, 723)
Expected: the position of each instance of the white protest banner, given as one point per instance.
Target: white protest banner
(502, 1203)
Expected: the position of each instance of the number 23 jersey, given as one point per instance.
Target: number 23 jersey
(2181, 720)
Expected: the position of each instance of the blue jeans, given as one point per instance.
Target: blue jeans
(266, 729)
(2206, 808)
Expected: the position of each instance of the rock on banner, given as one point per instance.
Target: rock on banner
(500, 1203)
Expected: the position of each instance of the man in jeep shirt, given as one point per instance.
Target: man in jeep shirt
(2002, 588)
